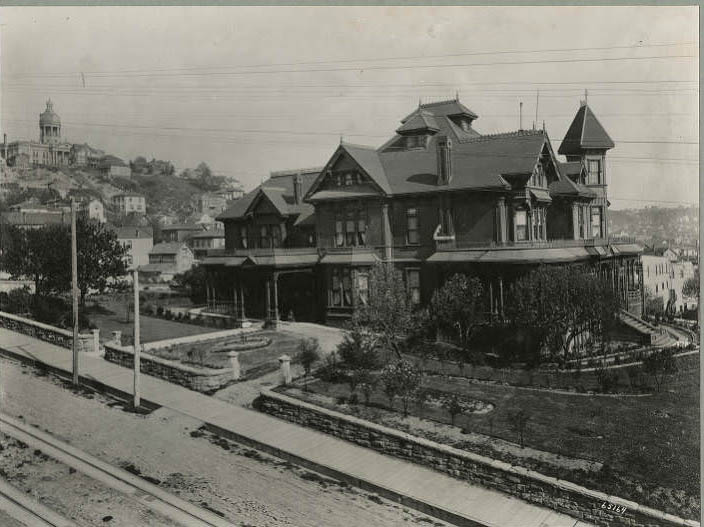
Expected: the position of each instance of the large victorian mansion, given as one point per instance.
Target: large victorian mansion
(436, 198)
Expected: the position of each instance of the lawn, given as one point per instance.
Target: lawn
(648, 445)
(110, 315)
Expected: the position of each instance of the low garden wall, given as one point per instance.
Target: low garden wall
(87, 342)
(197, 379)
(531, 486)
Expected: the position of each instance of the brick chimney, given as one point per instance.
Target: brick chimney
(444, 154)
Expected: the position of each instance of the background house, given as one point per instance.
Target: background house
(167, 260)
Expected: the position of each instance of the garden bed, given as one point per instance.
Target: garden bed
(259, 351)
(641, 448)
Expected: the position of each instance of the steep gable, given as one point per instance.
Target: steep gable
(585, 132)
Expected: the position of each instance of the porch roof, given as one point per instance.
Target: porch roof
(283, 260)
(353, 258)
(513, 256)
(228, 261)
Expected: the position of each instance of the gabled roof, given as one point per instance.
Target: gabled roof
(183, 227)
(585, 132)
(127, 233)
(213, 233)
(278, 189)
(566, 187)
(168, 248)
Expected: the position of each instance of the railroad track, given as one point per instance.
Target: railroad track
(27, 510)
(147, 494)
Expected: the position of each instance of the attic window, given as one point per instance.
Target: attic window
(416, 141)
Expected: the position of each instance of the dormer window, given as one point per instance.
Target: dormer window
(416, 141)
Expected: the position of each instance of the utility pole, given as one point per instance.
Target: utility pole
(137, 345)
(74, 290)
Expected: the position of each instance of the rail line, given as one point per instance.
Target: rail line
(147, 494)
(29, 511)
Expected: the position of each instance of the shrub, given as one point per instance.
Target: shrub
(453, 405)
(159, 311)
(401, 380)
(308, 354)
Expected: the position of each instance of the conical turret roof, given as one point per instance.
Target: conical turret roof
(584, 133)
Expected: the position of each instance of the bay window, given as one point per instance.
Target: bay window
(521, 225)
(341, 287)
(363, 288)
(351, 228)
(596, 222)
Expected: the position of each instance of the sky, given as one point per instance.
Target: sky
(250, 90)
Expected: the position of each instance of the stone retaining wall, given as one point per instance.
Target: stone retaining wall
(197, 379)
(60, 337)
(531, 486)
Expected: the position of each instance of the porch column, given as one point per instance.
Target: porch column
(275, 307)
(491, 296)
(241, 314)
(386, 231)
(234, 301)
(501, 296)
(501, 226)
(267, 298)
(207, 294)
(575, 221)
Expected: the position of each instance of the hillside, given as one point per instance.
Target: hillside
(164, 194)
(656, 224)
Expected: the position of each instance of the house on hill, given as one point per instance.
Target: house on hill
(110, 166)
(129, 202)
(138, 242)
(180, 232)
(167, 260)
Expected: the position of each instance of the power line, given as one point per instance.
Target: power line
(374, 59)
(389, 68)
(335, 133)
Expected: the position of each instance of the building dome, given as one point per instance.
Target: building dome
(48, 117)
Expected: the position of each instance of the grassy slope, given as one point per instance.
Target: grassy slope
(650, 445)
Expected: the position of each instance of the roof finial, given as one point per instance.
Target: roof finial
(420, 102)
(341, 138)
(457, 95)
(543, 125)
(586, 96)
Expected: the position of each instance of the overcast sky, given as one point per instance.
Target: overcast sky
(250, 90)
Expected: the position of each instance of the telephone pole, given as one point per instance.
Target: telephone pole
(74, 290)
(137, 344)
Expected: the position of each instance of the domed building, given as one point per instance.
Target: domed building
(50, 151)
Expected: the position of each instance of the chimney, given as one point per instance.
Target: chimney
(520, 116)
(297, 189)
(444, 154)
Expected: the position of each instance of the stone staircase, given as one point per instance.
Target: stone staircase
(649, 334)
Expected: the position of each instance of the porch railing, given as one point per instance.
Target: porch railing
(444, 245)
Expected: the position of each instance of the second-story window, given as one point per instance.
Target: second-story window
(243, 237)
(351, 229)
(412, 237)
(521, 225)
(446, 221)
(413, 285)
(594, 176)
(264, 236)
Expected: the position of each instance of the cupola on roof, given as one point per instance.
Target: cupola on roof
(48, 116)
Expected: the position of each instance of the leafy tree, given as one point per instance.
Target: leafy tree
(557, 304)
(456, 309)
(401, 380)
(358, 352)
(367, 384)
(138, 165)
(308, 354)
(660, 365)
(45, 255)
(654, 306)
(691, 286)
(453, 405)
(194, 282)
(518, 420)
(388, 311)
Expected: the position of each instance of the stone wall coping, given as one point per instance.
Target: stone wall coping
(506, 467)
(170, 363)
(41, 325)
(201, 337)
